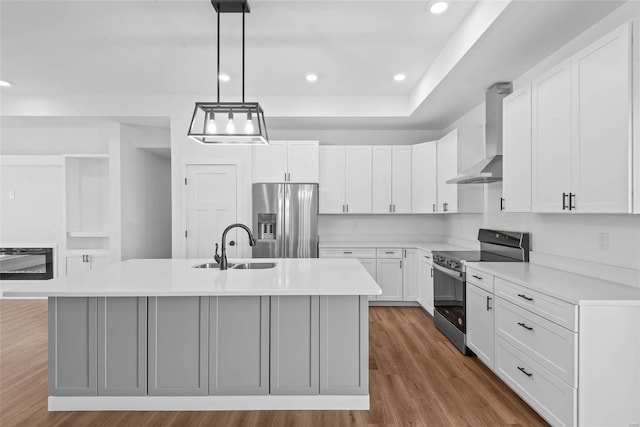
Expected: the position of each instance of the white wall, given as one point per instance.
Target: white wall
(145, 180)
(357, 137)
(572, 236)
(31, 140)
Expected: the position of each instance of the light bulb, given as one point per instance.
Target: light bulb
(439, 7)
(211, 125)
(231, 126)
(248, 126)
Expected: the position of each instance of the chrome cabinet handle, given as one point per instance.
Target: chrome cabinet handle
(389, 252)
(347, 252)
(489, 303)
(521, 369)
(394, 208)
(431, 271)
(400, 264)
(501, 203)
(476, 277)
(434, 207)
(347, 208)
(523, 296)
(524, 325)
(564, 201)
(427, 257)
(445, 207)
(572, 198)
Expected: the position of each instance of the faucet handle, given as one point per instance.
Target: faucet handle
(216, 257)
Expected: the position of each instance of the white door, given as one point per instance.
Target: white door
(303, 161)
(516, 182)
(389, 274)
(270, 162)
(75, 264)
(358, 191)
(601, 166)
(211, 207)
(410, 267)
(480, 331)
(401, 179)
(447, 155)
(426, 281)
(382, 179)
(423, 178)
(551, 140)
(331, 189)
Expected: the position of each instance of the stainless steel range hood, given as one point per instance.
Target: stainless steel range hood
(489, 169)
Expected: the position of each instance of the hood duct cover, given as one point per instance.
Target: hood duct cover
(489, 169)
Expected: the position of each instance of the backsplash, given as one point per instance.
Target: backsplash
(359, 228)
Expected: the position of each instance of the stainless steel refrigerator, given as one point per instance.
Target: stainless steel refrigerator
(285, 220)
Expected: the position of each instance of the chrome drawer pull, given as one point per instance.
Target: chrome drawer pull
(523, 296)
(389, 252)
(347, 252)
(476, 277)
(524, 325)
(525, 372)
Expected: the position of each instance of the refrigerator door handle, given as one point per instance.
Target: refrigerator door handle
(287, 221)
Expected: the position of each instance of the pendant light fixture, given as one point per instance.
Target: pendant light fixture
(215, 122)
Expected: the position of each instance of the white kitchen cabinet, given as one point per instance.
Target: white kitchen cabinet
(345, 179)
(410, 267)
(389, 273)
(480, 329)
(516, 158)
(392, 179)
(75, 263)
(425, 281)
(581, 136)
(424, 178)
(371, 266)
(455, 152)
(286, 161)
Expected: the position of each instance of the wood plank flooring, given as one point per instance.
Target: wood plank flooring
(416, 378)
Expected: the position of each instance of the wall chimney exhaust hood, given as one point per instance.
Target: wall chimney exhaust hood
(489, 169)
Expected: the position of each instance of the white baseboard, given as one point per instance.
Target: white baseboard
(208, 403)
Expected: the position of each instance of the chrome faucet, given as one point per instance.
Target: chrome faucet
(223, 255)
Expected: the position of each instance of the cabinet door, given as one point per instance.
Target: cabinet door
(401, 179)
(410, 266)
(423, 178)
(370, 265)
(97, 261)
(389, 274)
(426, 284)
(122, 346)
(295, 365)
(516, 182)
(551, 139)
(601, 166)
(358, 179)
(447, 155)
(332, 179)
(238, 345)
(75, 264)
(382, 179)
(480, 330)
(270, 162)
(303, 161)
(178, 335)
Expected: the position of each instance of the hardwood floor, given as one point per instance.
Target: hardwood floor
(416, 378)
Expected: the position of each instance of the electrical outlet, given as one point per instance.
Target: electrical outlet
(12, 194)
(603, 241)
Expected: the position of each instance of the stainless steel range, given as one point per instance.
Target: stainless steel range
(449, 278)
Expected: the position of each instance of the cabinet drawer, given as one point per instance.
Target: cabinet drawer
(553, 309)
(389, 253)
(554, 400)
(480, 279)
(550, 345)
(347, 253)
(426, 257)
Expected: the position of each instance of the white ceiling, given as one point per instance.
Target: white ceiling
(168, 47)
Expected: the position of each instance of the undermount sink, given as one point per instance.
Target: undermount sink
(209, 265)
(253, 266)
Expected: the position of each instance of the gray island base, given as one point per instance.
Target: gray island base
(162, 335)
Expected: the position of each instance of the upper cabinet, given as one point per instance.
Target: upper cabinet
(423, 178)
(392, 179)
(345, 179)
(516, 157)
(581, 130)
(286, 161)
(457, 151)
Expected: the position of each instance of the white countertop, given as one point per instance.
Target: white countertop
(425, 246)
(176, 277)
(569, 287)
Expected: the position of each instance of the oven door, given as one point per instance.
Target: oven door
(449, 295)
(26, 263)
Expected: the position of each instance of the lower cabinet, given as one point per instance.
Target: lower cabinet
(83, 262)
(178, 335)
(410, 268)
(389, 273)
(425, 282)
(480, 327)
(238, 345)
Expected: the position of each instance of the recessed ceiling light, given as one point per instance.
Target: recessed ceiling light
(439, 7)
(311, 77)
(399, 77)
(224, 77)
(4, 83)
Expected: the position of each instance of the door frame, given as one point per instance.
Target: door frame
(243, 213)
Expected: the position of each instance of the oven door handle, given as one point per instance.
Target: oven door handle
(448, 272)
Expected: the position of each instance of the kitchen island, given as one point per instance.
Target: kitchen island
(162, 335)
